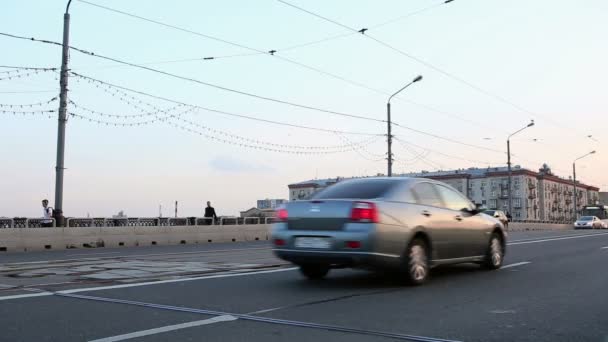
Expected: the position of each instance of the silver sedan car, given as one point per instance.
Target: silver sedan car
(404, 224)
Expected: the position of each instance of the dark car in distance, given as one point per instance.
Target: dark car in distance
(404, 224)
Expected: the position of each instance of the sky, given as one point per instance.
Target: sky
(489, 67)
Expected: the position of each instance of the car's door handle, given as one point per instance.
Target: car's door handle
(458, 218)
(426, 213)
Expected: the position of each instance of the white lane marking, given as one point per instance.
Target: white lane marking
(228, 275)
(555, 236)
(516, 264)
(135, 256)
(137, 334)
(40, 294)
(554, 239)
(104, 253)
(266, 310)
(604, 247)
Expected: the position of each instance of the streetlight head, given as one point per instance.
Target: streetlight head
(419, 77)
(592, 152)
(447, 1)
(531, 123)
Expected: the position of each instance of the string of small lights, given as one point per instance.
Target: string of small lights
(190, 109)
(119, 94)
(420, 156)
(28, 112)
(485, 162)
(353, 145)
(255, 147)
(156, 112)
(374, 157)
(18, 73)
(242, 116)
(28, 105)
(157, 118)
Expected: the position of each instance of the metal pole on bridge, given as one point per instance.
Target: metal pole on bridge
(62, 119)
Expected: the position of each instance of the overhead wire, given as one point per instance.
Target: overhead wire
(243, 116)
(426, 64)
(261, 97)
(193, 80)
(291, 61)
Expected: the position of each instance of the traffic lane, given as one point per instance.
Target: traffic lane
(63, 319)
(256, 292)
(462, 291)
(557, 297)
(239, 331)
(151, 251)
(78, 254)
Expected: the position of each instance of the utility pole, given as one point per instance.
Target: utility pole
(389, 140)
(389, 134)
(509, 167)
(574, 182)
(62, 120)
(175, 209)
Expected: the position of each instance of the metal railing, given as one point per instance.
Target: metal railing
(104, 222)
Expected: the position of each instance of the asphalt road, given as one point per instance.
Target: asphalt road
(553, 288)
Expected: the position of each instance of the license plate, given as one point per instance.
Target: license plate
(312, 242)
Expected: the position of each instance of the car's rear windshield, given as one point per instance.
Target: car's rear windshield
(360, 189)
(586, 218)
(489, 212)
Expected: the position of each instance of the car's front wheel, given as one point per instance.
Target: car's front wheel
(314, 271)
(495, 253)
(417, 262)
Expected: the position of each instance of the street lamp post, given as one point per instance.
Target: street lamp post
(509, 165)
(388, 122)
(574, 181)
(62, 117)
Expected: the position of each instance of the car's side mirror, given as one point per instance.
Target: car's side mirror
(496, 215)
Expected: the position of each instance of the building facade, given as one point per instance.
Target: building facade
(536, 195)
(270, 203)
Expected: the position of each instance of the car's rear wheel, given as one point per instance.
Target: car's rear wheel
(495, 253)
(314, 271)
(417, 262)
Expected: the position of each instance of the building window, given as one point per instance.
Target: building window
(517, 202)
(493, 204)
(493, 194)
(518, 193)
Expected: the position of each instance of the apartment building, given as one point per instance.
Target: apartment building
(536, 195)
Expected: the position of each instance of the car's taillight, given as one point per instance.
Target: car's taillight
(353, 244)
(279, 242)
(364, 212)
(282, 215)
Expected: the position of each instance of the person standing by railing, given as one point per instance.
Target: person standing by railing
(47, 214)
(210, 213)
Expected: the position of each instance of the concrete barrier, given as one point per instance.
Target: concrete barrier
(518, 226)
(32, 239)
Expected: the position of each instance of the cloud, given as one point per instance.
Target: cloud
(228, 164)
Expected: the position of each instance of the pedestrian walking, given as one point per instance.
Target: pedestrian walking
(47, 214)
(210, 213)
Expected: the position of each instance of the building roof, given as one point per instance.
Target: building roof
(472, 172)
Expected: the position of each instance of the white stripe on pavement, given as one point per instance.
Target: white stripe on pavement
(137, 334)
(554, 239)
(604, 247)
(516, 264)
(40, 294)
(226, 275)
(134, 255)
